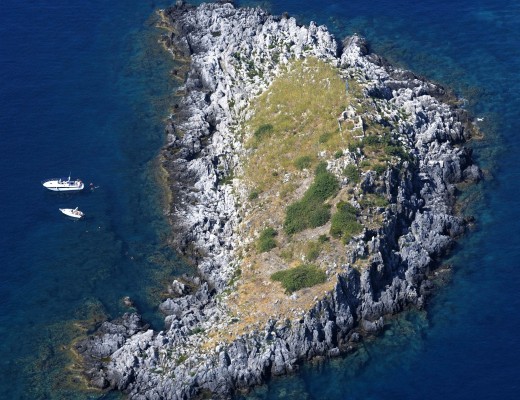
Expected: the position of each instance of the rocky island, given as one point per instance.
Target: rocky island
(312, 185)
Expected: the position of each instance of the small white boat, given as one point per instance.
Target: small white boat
(72, 212)
(64, 185)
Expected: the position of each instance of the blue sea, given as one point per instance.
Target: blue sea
(85, 89)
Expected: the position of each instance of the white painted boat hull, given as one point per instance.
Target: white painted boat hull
(72, 212)
(58, 185)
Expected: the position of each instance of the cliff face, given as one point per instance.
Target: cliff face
(418, 226)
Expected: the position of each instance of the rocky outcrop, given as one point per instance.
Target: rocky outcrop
(235, 54)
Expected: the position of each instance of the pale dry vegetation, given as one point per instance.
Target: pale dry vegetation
(294, 127)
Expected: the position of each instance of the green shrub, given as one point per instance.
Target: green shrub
(197, 330)
(352, 173)
(321, 168)
(398, 151)
(353, 146)
(305, 275)
(379, 168)
(323, 238)
(263, 131)
(266, 240)
(325, 137)
(344, 223)
(253, 195)
(338, 154)
(311, 212)
(388, 144)
(318, 217)
(372, 140)
(324, 186)
(373, 200)
(303, 162)
(305, 214)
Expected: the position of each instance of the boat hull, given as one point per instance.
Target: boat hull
(71, 212)
(61, 189)
(64, 186)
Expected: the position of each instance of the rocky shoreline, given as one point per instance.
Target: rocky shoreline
(419, 225)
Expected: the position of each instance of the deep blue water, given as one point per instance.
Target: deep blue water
(84, 89)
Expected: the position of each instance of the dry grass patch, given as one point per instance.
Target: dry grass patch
(293, 128)
(301, 106)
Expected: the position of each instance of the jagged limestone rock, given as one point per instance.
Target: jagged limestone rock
(419, 225)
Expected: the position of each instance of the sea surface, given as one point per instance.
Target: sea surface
(85, 88)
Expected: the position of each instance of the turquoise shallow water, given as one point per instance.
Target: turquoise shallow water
(85, 89)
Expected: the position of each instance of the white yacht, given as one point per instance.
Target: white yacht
(64, 185)
(72, 212)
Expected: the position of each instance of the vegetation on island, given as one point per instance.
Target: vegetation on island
(352, 173)
(311, 211)
(300, 277)
(344, 222)
(263, 131)
(304, 164)
(266, 240)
